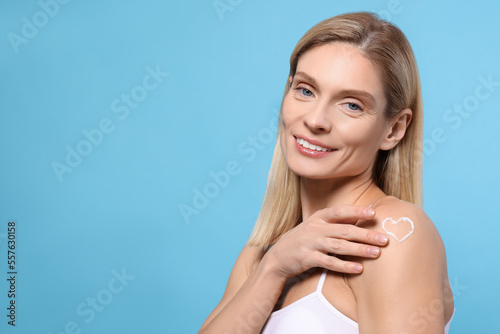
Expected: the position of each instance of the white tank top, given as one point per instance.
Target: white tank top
(313, 314)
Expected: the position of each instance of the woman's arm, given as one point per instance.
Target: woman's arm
(404, 290)
(257, 278)
(249, 297)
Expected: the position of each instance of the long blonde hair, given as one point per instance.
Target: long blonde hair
(397, 171)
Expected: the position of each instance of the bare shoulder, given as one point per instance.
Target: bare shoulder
(406, 224)
(415, 249)
(410, 273)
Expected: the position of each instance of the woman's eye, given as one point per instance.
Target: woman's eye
(304, 91)
(354, 106)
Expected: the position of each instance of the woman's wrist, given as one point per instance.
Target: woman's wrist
(269, 269)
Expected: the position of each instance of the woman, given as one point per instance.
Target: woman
(341, 244)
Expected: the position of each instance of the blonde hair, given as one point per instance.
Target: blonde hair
(397, 171)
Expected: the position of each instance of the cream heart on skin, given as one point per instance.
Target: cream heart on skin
(403, 220)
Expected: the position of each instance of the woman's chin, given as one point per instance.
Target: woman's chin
(313, 174)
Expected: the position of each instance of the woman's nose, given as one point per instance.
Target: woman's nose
(317, 119)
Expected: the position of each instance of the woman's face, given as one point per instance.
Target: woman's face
(333, 123)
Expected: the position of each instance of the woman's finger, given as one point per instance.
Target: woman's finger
(344, 247)
(346, 214)
(335, 264)
(355, 233)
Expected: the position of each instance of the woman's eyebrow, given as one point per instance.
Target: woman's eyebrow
(307, 77)
(363, 95)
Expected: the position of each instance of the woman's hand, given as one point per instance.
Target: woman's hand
(330, 230)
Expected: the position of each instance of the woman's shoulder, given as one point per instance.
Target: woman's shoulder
(410, 272)
(405, 223)
(392, 204)
(414, 241)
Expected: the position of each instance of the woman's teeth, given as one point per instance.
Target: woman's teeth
(310, 146)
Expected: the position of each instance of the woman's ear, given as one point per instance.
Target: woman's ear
(397, 129)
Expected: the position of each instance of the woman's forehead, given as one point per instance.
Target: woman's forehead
(339, 66)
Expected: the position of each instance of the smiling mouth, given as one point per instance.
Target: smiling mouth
(306, 144)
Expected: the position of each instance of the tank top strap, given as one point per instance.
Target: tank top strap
(321, 280)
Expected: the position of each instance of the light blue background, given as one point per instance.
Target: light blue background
(119, 208)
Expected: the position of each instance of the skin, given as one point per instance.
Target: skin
(336, 98)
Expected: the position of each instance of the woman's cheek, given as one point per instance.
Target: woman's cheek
(349, 133)
(356, 133)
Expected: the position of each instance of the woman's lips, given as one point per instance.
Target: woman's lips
(312, 148)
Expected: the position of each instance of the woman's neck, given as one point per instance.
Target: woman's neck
(319, 194)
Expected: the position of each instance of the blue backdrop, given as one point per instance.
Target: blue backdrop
(136, 139)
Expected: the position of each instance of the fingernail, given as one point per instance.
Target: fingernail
(373, 251)
(369, 212)
(382, 238)
(357, 268)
